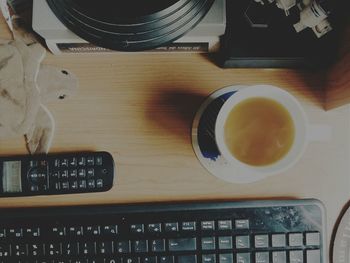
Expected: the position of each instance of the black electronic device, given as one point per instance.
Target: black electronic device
(130, 25)
(262, 36)
(276, 231)
(78, 172)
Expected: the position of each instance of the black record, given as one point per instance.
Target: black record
(130, 25)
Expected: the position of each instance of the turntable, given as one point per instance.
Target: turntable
(132, 25)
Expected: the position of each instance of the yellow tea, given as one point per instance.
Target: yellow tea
(259, 131)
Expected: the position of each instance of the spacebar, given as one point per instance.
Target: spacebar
(182, 244)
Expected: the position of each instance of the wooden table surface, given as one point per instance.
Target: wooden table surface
(139, 107)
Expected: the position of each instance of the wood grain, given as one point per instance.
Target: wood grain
(140, 107)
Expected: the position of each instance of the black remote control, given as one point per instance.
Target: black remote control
(81, 172)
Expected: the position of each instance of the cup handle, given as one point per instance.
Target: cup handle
(319, 132)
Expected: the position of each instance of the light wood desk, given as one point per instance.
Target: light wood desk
(140, 108)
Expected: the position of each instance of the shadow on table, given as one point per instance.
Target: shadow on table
(173, 111)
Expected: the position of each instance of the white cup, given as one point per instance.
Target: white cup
(304, 132)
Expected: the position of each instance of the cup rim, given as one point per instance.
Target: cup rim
(262, 91)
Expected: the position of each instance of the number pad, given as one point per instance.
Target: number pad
(69, 174)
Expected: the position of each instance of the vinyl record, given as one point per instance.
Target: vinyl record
(130, 25)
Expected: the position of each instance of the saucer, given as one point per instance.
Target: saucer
(203, 140)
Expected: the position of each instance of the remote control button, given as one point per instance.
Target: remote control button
(313, 239)
(64, 162)
(81, 161)
(91, 184)
(99, 161)
(34, 188)
(56, 163)
(90, 172)
(81, 173)
(82, 184)
(43, 163)
(64, 175)
(33, 176)
(65, 185)
(73, 162)
(261, 241)
(73, 174)
(74, 185)
(90, 161)
(55, 175)
(99, 183)
(33, 163)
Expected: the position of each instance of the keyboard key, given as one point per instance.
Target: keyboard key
(182, 244)
(278, 240)
(65, 185)
(15, 233)
(313, 256)
(35, 250)
(166, 259)
(242, 224)
(208, 225)
(225, 242)
(188, 226)
(70, 249)
(187, 259)
(123, 247)
(158, 245)
(58, 231)
(243, 258)
(242, 242)
(137, 228)
(140, 246)
(152, 259)
(171, 227)
(208, 243)
(94, 230)
(19, 250)
(112, 260)
(262, 257)
(211, 258)
(313, 239)
(104, 248)
(295, 239)
(226, 258)
(4, 250)
(75, 231)
(279, 257)
(296, 256)
(31, 232)
(225, 224)
(261, 241)
(154, 228)
(2, 233)
(87, 248)
(131, 260)
(53, 249)
(111, 230)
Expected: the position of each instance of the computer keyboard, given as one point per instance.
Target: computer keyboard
(282, 231)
